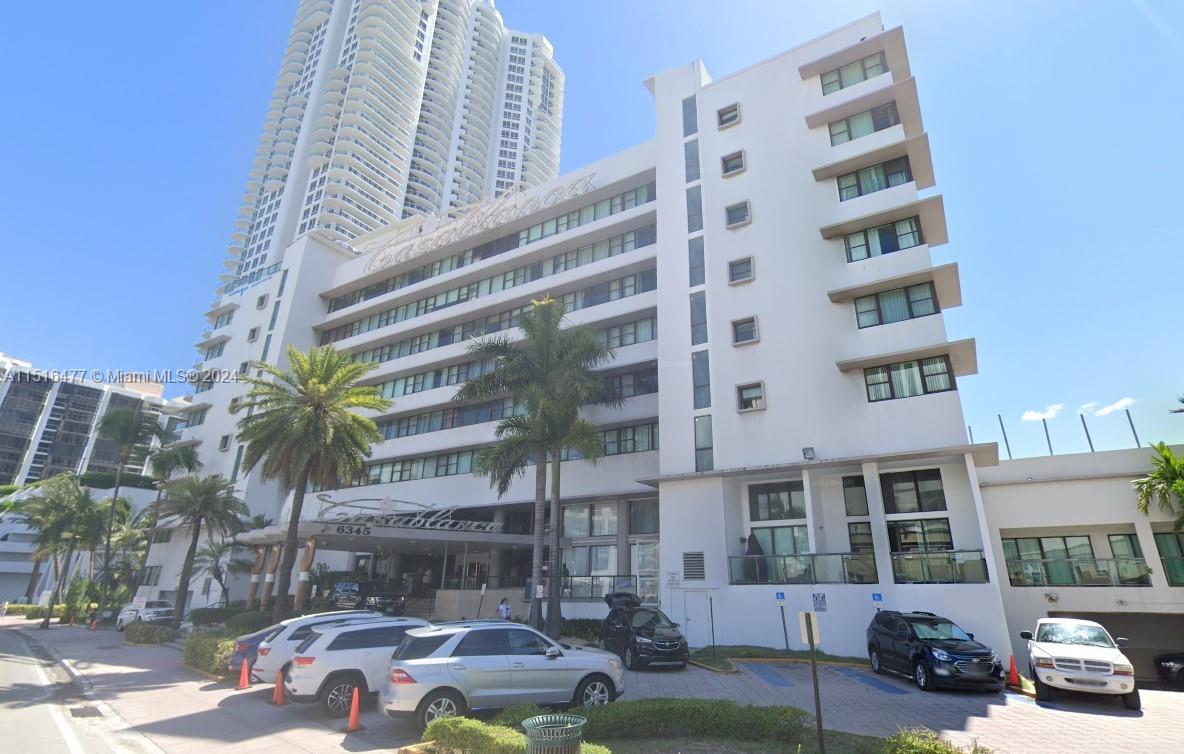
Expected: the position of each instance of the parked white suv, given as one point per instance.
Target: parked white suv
(337, 658)
(153, 611)
(452, 668)
(1067, 653)
(277, 648)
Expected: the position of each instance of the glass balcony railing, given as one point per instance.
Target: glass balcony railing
(1079, 572)
(818, 568)
(1173, 568)
(941, 567)
(591, 587)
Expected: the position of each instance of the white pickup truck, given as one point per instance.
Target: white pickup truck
(1067, 653)
(153, 611)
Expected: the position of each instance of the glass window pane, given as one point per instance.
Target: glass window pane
(575, 520)
(854, 496)
(698, 318)
(690, 117)
(784, 542)
(604, 519)
(921, 300)
(643, 517)
(905, 379)
(694, 209)
(930, 490)
(852, 73)
(937, 534)
(866, 313)
(695, 247)
(857, 247)
(894, 305)
(691, 154)
(860, 124)
(937, 374)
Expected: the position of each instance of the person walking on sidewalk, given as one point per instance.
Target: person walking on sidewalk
(503, 609)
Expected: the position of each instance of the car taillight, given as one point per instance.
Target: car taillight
(263, 651)
(1123, 670)
(303, 662)
(398, 675)
(1044, 662)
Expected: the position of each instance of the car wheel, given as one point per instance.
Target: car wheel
(338, 695)
(1131, 700)
(873, 656)
(594, 691)
(1043, 690)
(118, 625)
(439, 704)
(632, 661)
(921, 676)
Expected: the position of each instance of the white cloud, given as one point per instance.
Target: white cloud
(1048, 413)
(1087, 408)
(1118, 405)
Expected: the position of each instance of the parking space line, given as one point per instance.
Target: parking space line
(870, 680)
(768, 674)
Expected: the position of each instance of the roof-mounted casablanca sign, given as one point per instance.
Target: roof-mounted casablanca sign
(396, 514)
(390, 250)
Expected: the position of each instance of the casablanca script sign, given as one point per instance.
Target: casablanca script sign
(356, 517)
(389, 251)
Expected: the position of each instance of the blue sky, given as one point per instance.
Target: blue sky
(129, 129)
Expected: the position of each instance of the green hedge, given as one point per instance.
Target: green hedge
(248, 622)
(210, 616)
(147, 633)
(37, 612)
(679, 718)
(209, 651)
(922, 741)
(476, 737)
(587, 629)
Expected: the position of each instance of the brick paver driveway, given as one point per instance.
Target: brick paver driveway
(857, 701)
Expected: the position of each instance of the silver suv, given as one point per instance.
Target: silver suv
(452, 668)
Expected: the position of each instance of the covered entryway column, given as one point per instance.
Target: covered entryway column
(269, 577)
(302, 583)
(256, 568)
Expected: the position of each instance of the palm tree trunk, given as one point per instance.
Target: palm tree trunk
(554, 602)
(536, 561)
(186, 574)
(152, 518)
(34, 577)
(56, 595)
(106, 584)
(284, 578)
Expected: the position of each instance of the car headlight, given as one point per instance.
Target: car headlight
(615, 664)
(1123, 669)
(643, 640)
(995, 660)
(940, 654)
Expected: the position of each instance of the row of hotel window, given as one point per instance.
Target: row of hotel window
(915, 535)
(1070, 560)
(918, 491)
(600, 519)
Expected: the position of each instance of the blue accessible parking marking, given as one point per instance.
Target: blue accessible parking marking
(768, 674)
(870, 680)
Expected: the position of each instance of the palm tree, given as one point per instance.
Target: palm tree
(219, 559)
(1164, 486)
(130, 432)
(163, 463)
(303, 428)
(257, 521)
(197, 501)
(550, 375)
(61, 512)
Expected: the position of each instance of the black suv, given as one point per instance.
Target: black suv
(368, 595)
(642, 636)
(933, 650)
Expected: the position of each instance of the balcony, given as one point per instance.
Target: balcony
(944, 567)
(1081, 572)
(821, 568)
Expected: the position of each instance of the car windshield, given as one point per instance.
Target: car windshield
(938, 629)
(650, 619)
(347, 586)
(1068, 633)
(157, 604)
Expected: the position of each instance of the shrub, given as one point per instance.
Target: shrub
(209, 651)
(104, 480)
(37, 612)
(147, 633)
(587, 629)
(476, 737)
(679, 718)
(209, 616)
(20, 609)
(247, 622)
(922, 741)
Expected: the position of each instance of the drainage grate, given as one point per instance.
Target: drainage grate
(85, 712)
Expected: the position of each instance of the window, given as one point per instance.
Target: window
(876, 178)
(920, 535)
(860, 533)
(884, 239)
(862, 124)
(1125, 546)
(704, 458)
(161, 536)
(595, 520)
(780, 500)
(740, 270)
(527, 643)
(728, 116)
(253, 335)
(698, 318)
(732, 163)
(690, 117)
(896, 305)
(736, 215)
(701, 378)
(694, 209)
(695, 249)
(693, 568)
(750, 397)
(261, 301)
(913, 491)
(419, 647)
(483, 643)
(644, 563)
(1171, 551)
(152, 575)
(215, 350)
(908, 379)
(782, 540)
(691, 154)
(744, 331)
(243, 367)
(224, 442)
(643, 517)
(854, 496)
(853, 73)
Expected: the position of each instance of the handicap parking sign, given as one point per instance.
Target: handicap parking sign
(780, 598)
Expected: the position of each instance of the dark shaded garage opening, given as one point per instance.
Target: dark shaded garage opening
(1150, 634)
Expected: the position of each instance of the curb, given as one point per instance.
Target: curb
(708, 668)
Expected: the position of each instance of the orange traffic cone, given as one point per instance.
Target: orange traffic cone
(94, 625)
(244, 677)
(277, 696)
(1013, 677)
(354, 724)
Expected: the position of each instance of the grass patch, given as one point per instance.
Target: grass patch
(836, 743)
(718, 657)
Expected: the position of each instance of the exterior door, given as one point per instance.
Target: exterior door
(534, 677)
(697, 622)
(481, 665)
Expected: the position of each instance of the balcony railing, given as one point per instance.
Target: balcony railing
(822, 568)
(591, 587)
(942, 567)
(1079, 572)
(1173, 568)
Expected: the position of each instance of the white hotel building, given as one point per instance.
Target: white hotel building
(791, 424)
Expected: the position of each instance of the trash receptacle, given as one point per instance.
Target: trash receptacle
(554, 734)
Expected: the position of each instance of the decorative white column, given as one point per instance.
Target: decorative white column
(1159, 579)
(875, 511)
(815, 531)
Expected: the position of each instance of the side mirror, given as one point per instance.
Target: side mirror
(971, 636)
(1026, 635)
(1122, 641)
(553, 653)
(676, 625)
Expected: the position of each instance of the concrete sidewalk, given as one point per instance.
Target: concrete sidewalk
(180, 711)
